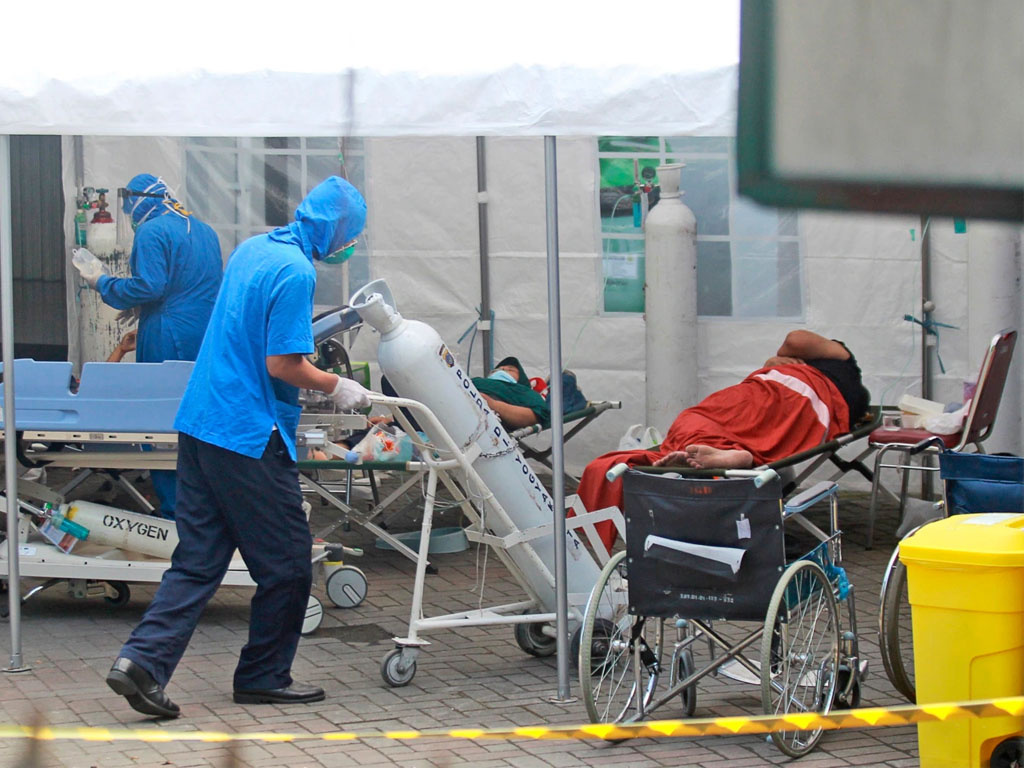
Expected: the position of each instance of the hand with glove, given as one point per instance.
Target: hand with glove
(88, 266)
(349, 395)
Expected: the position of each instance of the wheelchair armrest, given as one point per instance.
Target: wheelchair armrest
(811, 496)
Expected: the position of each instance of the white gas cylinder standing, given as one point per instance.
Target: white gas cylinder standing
(670, 303)
(420, 366)
(129, 531)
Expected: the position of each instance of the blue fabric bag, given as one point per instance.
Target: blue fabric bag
(978, 482)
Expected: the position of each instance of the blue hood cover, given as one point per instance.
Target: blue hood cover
(332, 214)
(143, 206)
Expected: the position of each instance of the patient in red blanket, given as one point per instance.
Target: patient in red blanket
(808, 393)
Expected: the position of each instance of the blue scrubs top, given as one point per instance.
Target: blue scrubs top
(265, 307)
(176, 272)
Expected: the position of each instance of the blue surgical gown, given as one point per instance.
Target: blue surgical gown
(176, 272)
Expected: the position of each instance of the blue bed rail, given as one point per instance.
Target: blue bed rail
(111, 397)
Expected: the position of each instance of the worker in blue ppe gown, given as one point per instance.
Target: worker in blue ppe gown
(238, 480)
(176, 272)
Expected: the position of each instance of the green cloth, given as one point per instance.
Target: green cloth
(516, 394)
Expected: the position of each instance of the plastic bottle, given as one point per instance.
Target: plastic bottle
(80, 224)
(69, 526)
(86, 263)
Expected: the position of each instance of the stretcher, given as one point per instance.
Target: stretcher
(119, 417)
(576, 421)
(319, 477)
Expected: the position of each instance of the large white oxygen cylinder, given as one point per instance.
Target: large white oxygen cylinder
(129, 531)
(670, 301)
(420, 366)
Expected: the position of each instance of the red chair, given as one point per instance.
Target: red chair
(976, 428)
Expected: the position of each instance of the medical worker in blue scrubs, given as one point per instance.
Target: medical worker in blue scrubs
(176, 270)
(238, 478)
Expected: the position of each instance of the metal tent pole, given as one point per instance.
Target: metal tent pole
(10, 456)
(487, 358)
(555, 401)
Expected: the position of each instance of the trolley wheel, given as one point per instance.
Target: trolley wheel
(346, 587)
(392, 671)
(895, 637)
(314, 616)
(800, 652)
(684, 667)
(531, 638)
(1008, 754)
(850, 700)
(122, 594)
(613, 690)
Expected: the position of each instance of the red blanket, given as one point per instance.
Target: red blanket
(773, 413)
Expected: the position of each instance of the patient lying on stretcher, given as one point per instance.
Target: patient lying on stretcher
(506, 389)
(809, 392)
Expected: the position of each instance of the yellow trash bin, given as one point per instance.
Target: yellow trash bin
(965, 582)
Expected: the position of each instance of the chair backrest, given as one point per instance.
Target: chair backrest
(994, 368)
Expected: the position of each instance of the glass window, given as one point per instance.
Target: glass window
(748, 256)
(243, 187)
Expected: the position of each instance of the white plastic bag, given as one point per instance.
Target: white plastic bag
(638, 437)
(946, 423)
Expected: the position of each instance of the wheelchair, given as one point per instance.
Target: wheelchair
(971, 483)
(704, 556)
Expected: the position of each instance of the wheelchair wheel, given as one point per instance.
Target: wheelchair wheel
(613, 689)
(800, 652)
(895, 637)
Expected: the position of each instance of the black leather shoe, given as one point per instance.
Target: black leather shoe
(143, 692)
(296, 693)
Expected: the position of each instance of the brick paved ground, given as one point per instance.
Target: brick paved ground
(468, 678)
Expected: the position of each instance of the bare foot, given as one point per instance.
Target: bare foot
(673, 459)
(706, 457)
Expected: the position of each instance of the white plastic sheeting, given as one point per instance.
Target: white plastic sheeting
(861, 274)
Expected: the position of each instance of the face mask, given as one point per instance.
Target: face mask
(342, 254)
(500, 375)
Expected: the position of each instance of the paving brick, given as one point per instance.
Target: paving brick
(473, 677)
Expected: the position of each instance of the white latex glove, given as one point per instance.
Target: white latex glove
(350, 395)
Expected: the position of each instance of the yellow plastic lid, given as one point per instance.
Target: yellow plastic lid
(986, 539)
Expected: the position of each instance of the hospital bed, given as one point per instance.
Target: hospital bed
(119, 417)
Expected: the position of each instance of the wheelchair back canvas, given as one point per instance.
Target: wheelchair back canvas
(701, 548)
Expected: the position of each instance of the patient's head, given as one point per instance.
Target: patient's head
(513, 368)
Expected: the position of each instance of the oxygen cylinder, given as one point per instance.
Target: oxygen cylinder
(670, 311)
(420, 366)
(130, 531)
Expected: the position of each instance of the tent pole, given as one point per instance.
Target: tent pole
(10, 457)
(928, 340)
(555, 400)
(486, 338)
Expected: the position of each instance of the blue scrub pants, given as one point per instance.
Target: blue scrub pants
(228, 501)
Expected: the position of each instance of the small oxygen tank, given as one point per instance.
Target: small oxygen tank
(130, 531)
(420, 366)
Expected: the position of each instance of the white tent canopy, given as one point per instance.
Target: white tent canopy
(449, 68)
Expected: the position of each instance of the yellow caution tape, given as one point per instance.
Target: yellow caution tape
(868, 717)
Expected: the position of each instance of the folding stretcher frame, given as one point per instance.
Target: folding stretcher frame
(578, 419)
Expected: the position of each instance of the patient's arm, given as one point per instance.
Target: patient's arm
(807, 345)
(514, 416)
